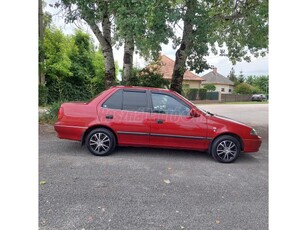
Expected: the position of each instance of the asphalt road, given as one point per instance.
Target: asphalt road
(129, 189)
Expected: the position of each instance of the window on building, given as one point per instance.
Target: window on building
(222, 89)
(229, 90)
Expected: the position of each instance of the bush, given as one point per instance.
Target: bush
(202, 94)
(51, 115)
(43, 95)
(192, 94)
(149, 77)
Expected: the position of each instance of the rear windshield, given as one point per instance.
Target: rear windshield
(95, 97)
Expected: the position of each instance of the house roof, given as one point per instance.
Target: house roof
(214, 77)
(167, 70)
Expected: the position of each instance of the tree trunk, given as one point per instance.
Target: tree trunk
(184, 49)
(104, 39)
(41, 56)
(128, 61)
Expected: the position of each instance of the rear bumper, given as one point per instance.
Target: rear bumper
(69, 132)
(251, 145)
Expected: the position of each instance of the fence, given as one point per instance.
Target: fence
(201, 94)
(235, 97)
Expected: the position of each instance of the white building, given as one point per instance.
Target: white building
(222, 84)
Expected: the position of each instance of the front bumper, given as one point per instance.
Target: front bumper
(251, 145)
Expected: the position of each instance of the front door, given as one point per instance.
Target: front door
(173, 127)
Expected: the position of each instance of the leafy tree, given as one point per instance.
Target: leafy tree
(150, 78)
(44, 20)
(232, 76)
(241, 77)
(244, 88)
(210, 87)
(57, 62)
(96, 14)
(74, 70)
(261, 82)
(241, 26)
(139, 25)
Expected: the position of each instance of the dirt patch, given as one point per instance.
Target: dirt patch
(46, 129)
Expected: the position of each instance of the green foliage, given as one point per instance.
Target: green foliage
(145, 22)
(134, 79)
(74, 69)
(245, 88)
(43, 95)
(234, 29)
(51, 115)
(241, 78)
(232, 77)
(210, 87)
(260, 82)
(202, 93)
(148, 77)
(192, 94)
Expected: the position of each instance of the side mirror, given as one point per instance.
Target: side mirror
(194, 113)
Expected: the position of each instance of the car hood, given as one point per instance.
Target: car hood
(227, 119)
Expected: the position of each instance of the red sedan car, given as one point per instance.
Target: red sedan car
(151, 117)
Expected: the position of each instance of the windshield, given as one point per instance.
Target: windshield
(182, 97)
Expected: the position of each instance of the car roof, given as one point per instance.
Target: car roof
(142, 88)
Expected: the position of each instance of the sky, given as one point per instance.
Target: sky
(258, 66)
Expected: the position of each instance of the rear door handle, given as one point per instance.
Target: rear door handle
(109, 116)
(159, 121)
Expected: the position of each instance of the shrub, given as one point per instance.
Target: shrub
(51, 115)
(202, 94)
(192, 94)
(43, 95)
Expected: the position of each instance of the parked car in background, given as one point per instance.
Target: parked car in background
(258, 97)
(151, 117)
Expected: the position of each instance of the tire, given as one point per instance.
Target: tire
(226, 149)
(100, 142)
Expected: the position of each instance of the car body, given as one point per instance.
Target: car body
(152, 117)
(258, 97)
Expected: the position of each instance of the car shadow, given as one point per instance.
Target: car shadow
(75, 149)
(159, 153)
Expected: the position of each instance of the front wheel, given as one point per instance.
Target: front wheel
(100, 142)
(226, 149)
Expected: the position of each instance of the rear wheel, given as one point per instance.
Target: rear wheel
(226, 149)
(100, 142)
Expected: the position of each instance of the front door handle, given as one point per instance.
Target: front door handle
(109, 116)
(159, 121)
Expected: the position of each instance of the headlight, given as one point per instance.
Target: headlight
(253, 132)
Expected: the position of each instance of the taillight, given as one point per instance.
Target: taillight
(60, 113)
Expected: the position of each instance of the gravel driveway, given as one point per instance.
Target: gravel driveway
(142, 188)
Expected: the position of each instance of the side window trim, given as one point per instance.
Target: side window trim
(147, 107)
(168, 94)
(104, 101)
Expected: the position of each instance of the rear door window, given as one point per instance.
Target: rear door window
(115, 101)
(135, 100)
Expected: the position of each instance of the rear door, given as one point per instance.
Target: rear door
(172, 126)
(127, 113)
